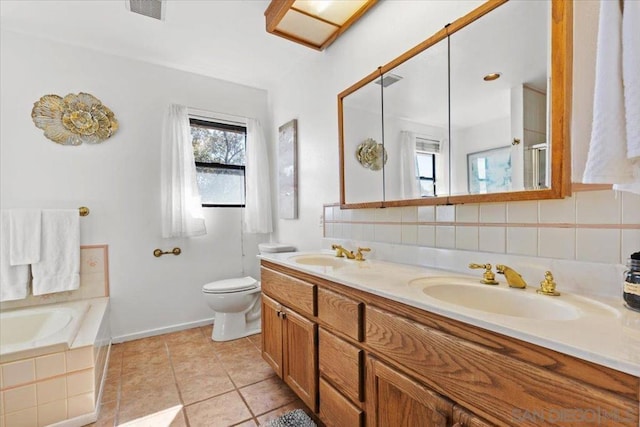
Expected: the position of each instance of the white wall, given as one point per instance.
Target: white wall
(119, 180)
(309, 93)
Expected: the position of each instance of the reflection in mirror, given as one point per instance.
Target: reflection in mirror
(499, 85)
(416, 123)
(362, 121)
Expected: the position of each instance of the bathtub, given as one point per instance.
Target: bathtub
(45, 347)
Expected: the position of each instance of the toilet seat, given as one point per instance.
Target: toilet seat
(231, 285)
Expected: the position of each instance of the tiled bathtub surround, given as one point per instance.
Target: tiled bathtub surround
(94, 281)
(593, 226)
(55, 387)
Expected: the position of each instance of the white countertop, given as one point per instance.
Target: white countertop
(603, 330)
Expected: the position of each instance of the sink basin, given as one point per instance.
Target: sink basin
(495, 300)
(319, 260)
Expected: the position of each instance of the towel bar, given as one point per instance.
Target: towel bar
(158, 252)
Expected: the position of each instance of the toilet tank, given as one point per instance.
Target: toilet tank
(270, 248)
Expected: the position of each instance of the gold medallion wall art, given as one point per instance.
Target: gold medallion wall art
(74, 119)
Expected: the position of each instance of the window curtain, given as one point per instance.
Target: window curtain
(257, 215)
(409, 184)
(182, 214)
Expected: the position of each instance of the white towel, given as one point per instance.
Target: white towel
(14, 279)
(631, 75)
(616, 88)
(24, 236)
(59, 266)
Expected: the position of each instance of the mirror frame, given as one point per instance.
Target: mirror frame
(559, 119)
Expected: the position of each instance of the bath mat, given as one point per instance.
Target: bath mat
(295, 418)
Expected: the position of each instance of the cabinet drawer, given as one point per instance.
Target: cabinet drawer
(341, 313)
(336, 410)
(291, 292)
(491, 384)
(341, 363)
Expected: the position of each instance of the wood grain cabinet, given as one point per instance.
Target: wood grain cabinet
(360, 359)
(289, 345)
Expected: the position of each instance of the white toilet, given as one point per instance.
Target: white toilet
(236, 302)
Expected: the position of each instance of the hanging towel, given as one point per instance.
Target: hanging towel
(14, 279)
(59, 266)
(24, 236)
(613, 128)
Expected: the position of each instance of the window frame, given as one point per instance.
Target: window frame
(219, 124)
(421, 178)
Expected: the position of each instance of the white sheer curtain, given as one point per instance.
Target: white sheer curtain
(257, 215)
(442, 167)
(181, 212)
(409, 180)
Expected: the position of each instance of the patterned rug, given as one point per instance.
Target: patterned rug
(295, 418)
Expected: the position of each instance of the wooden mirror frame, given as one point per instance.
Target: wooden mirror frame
(559, 119)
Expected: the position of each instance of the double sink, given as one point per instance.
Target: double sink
(453, 290)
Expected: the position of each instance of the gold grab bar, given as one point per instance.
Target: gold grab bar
(158, 252)
(84, 211)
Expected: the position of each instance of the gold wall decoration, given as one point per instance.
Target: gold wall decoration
(371, 154)
(74, 119)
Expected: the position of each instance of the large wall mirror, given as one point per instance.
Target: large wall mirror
(479, 112)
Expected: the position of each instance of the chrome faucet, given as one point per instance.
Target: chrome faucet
(514, 279)
(342, 252)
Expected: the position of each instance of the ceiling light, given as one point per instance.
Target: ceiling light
(491, 77)
(313, 23)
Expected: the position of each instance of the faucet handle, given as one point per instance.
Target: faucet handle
(338, 250)
(548, 285)
(488, 277)
(359, 255)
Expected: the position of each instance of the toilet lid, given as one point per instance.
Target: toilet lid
(230, 285)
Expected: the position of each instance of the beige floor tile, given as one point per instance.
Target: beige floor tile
(230, 349)
(202, 387)
(248, 369)
(267, 395)
(148, 404)
(194, 366)
(256, 340)
(144, 345)
(193, 335)
(103, 422)
(184, 351)
(250, 423)
(297, 404)
(156, 363)
(108, 410)
(224, 410)
(141, 385)
(110, 389)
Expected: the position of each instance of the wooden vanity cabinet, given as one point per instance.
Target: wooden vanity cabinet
(360, 359)
(396, 400)
(290, 340)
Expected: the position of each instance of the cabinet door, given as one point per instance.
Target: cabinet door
(395, 400)
(272, 333)
(464, 418)
(300, 357)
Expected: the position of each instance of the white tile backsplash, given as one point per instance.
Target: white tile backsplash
(522, 212)
(467, 238)
(493, 212)
(630, 208)
(446, 237)
(557, 243)
(560, 211)
(445, 213)
(522, 241)
(593, 226)
(493, 239)
(467, 213)
(598, 245)
(598, 207)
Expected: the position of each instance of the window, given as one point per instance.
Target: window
(426, 164)
(427, 150)
(219, 154)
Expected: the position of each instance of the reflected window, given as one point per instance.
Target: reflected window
(427, 150)
(219, 151)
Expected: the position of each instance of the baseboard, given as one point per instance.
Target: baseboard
(160, 331)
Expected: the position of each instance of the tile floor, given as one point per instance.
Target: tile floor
(186, 379)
